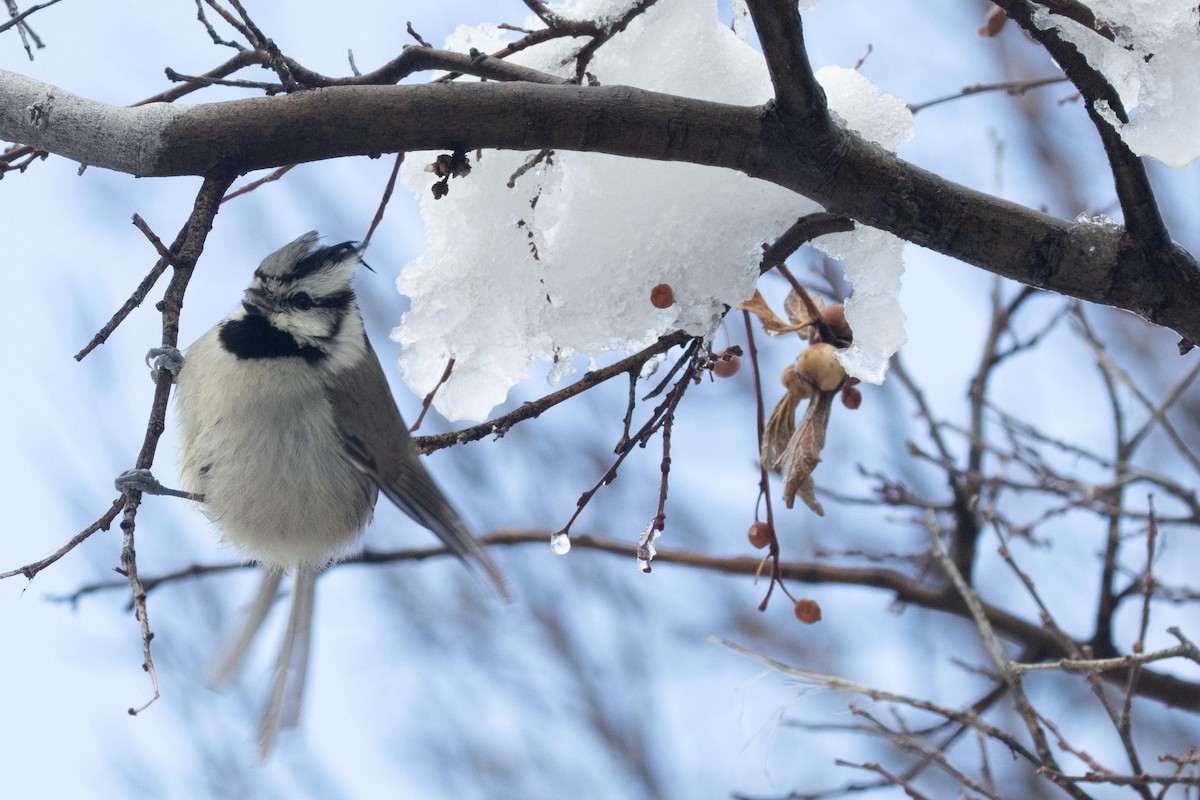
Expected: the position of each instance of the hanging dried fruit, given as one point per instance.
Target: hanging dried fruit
(790, 448)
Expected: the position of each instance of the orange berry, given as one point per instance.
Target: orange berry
(807, 611)
(851, 397)
(727, 367)
(662, 296)
(759, 535)
(834, 317)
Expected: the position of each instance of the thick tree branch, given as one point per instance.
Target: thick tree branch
(1129, 173)
(798, 96)
(847, 175)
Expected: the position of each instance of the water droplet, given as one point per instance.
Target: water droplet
(560, 543)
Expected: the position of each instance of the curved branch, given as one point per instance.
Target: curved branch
(802, 231)
(847, 175)
(1134, 192)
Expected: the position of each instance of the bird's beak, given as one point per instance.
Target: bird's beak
(255, 301)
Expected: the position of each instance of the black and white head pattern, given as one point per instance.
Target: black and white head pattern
(298, 304)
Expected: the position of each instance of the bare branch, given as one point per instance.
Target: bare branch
(534, 408)
(1129, 173)
(907, 590)
(802, 231)
(798, 97)
(31, 570)
(18, 18)
(1012, 88)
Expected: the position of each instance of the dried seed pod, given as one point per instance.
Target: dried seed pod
(803, 452)
(798, 311)
(818, 366)
(780, 427)
(797, 387)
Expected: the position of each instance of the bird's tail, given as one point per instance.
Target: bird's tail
(291, 668)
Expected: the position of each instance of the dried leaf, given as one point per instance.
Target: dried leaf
(994, 22)
(799, 311)
(771, 323)
(779, 430)
(808, 493)
(803, 453)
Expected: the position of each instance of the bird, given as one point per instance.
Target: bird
(289, 433)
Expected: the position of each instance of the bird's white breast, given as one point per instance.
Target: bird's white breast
(260, 443)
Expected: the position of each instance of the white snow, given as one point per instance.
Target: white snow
(1152, 63)
(563, 263)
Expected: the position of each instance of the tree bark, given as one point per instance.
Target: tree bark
(847, 175)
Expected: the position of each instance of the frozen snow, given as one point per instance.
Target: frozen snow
(873, 259)
(874, 265)
(563, 263)
(1152, 64)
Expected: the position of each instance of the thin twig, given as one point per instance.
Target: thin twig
(189, 245)
(31, 570)
(1012, 88)
(659, 418)
(428, 401)
(534, 408)
(274, 175)
(18, 18)
(388, 188)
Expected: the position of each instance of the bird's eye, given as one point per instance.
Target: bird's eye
(301, 301)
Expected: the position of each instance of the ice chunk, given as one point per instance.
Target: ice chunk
(563, 263)
(874, 265)
(1151, 62)
(872, 114)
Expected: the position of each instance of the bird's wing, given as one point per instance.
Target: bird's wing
(377, 441)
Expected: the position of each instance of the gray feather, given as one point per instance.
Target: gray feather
(378, 442)
(291, 668)
(222, 670)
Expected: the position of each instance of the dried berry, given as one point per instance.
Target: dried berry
(851, 397)
(807, 611)
(797, 388)
(727, 367)
(834, 317)
(662, 296)
(819, 367)
(759, 535)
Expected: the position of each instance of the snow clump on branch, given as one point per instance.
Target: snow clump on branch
(563, 263)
